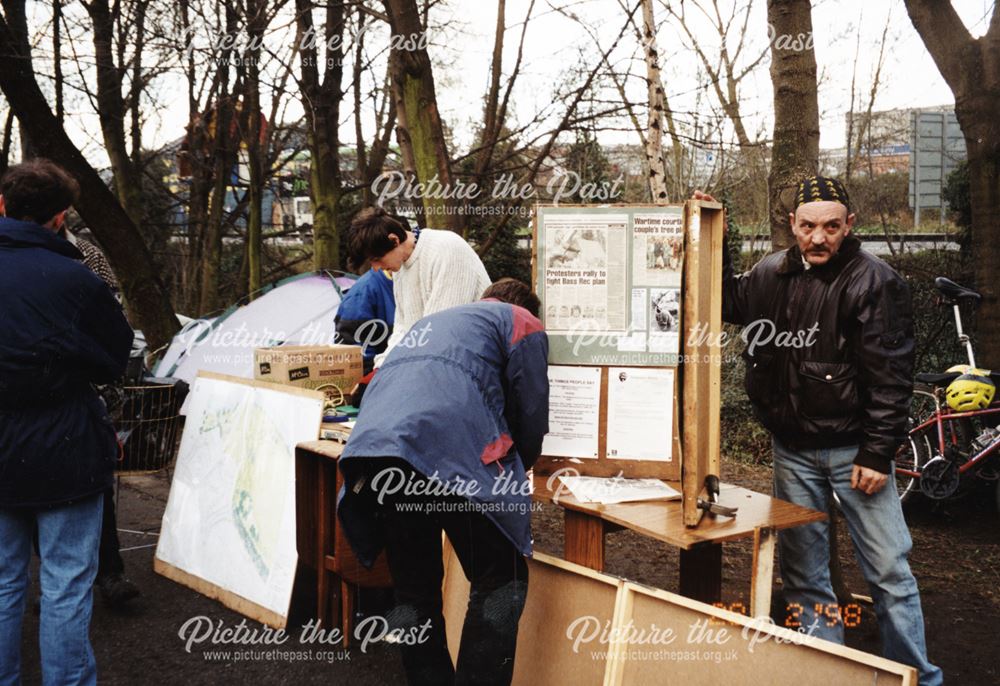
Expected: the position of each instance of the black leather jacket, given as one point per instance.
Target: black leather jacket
(848, 381)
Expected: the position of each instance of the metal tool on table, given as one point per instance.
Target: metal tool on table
(712, 506)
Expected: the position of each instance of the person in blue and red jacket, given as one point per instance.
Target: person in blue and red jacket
(61, 331)
(449, 426)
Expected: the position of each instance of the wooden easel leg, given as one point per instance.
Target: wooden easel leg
(584, 542)
(322, 522)
(347, 611)
(763, 572)
(701, 572)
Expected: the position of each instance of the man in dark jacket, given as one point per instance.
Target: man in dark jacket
(448, 428)
(62, 330)
(829, 359)
(115, 587)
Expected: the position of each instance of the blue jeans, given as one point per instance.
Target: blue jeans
(881, 542)
(67, 543)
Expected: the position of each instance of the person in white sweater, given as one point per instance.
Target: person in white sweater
(432, 270)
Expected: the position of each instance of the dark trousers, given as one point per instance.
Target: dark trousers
(109, 559)
(411, 528)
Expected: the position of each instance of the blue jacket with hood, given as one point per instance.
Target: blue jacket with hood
(464, 398)
(366, 314)
(61, 330)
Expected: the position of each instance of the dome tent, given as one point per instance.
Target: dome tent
(298, 310)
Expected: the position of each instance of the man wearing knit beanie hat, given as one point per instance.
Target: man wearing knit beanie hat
(822, 219)
(836, 408)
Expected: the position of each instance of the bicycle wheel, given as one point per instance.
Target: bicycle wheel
(918, 447)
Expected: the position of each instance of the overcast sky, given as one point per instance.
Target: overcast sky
(461, 40)
(910, 77)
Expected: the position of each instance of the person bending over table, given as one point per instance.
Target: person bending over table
(448, 428)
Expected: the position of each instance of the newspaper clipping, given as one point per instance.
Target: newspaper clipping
(586, 272)
(657, 257)
(657, 249)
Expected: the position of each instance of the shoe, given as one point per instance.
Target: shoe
(117, 590)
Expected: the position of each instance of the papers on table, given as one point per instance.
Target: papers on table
(592, 489)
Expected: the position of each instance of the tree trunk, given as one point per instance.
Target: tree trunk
(111, 111)
(256, 25)
(57, 20)
(654, 141)
(321, 101)
(8, 134)
(971, 67)
(225, 156)
(147, 300)
(211, 250)
(196, 165)
(135, 91)
(417, 111)
(984, 191)
(795, 151)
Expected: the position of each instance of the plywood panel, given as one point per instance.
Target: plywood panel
(559, 594)
(700, 644)
(638, 635)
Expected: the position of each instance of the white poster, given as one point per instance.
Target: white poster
(574, 412)
(230, 517)
(640, 414)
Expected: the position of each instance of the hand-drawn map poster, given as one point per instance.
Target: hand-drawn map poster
(229, 527)
(609, 279)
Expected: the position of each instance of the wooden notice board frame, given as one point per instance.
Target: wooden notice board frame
(697, 374)
(701, 370)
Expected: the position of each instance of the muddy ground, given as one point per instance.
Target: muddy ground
(956, 559)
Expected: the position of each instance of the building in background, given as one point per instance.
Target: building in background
(937, 146)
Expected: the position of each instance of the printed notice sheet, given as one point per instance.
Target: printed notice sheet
(574, 412)
(594, 489)
(640, 414)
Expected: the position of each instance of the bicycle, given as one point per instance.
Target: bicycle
(949, 451)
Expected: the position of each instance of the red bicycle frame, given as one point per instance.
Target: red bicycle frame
(939, 418)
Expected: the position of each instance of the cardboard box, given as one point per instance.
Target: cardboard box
(310, 366)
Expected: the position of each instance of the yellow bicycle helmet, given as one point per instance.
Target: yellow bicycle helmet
(973, 390)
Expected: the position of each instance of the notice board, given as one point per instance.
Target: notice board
(631, 301)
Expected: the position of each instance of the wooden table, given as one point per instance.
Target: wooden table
(319, 540)
(759, 517)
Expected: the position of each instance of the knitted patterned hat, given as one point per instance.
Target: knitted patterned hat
(821, 188)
